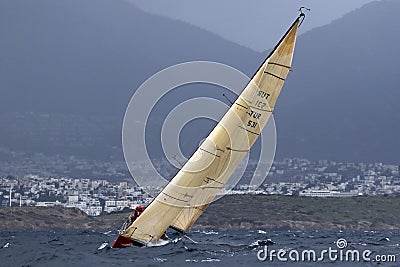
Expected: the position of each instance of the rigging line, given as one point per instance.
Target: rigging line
(209, 152)
(195, 242)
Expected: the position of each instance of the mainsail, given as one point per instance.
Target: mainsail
(184, 199)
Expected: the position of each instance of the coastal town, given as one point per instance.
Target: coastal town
(91, 196)
(295, 177)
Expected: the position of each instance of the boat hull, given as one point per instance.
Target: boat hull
(124, 242)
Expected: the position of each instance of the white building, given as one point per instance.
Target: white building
(326, 193)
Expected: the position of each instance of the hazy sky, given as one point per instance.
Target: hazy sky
(257, 24)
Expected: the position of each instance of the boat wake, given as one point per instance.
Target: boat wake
(6, 245)
(103, 246)
(159, 243)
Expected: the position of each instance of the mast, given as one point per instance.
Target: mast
(184, 199)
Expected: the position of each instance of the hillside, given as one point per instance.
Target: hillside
(340, 102)
(233, 212)
(79, 62)
(301, 213)
(88, 57)
(69, 68)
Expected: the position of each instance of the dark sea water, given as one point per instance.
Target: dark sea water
(212, 248)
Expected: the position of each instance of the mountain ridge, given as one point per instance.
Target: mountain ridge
(78, 58)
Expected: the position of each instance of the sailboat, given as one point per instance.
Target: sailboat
(204, 175)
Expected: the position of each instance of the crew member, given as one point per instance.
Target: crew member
(138, 211)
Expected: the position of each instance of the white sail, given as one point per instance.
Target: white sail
(183, 200)
(257, 101)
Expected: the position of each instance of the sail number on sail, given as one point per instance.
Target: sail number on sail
(263, 94)
(254, 115)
